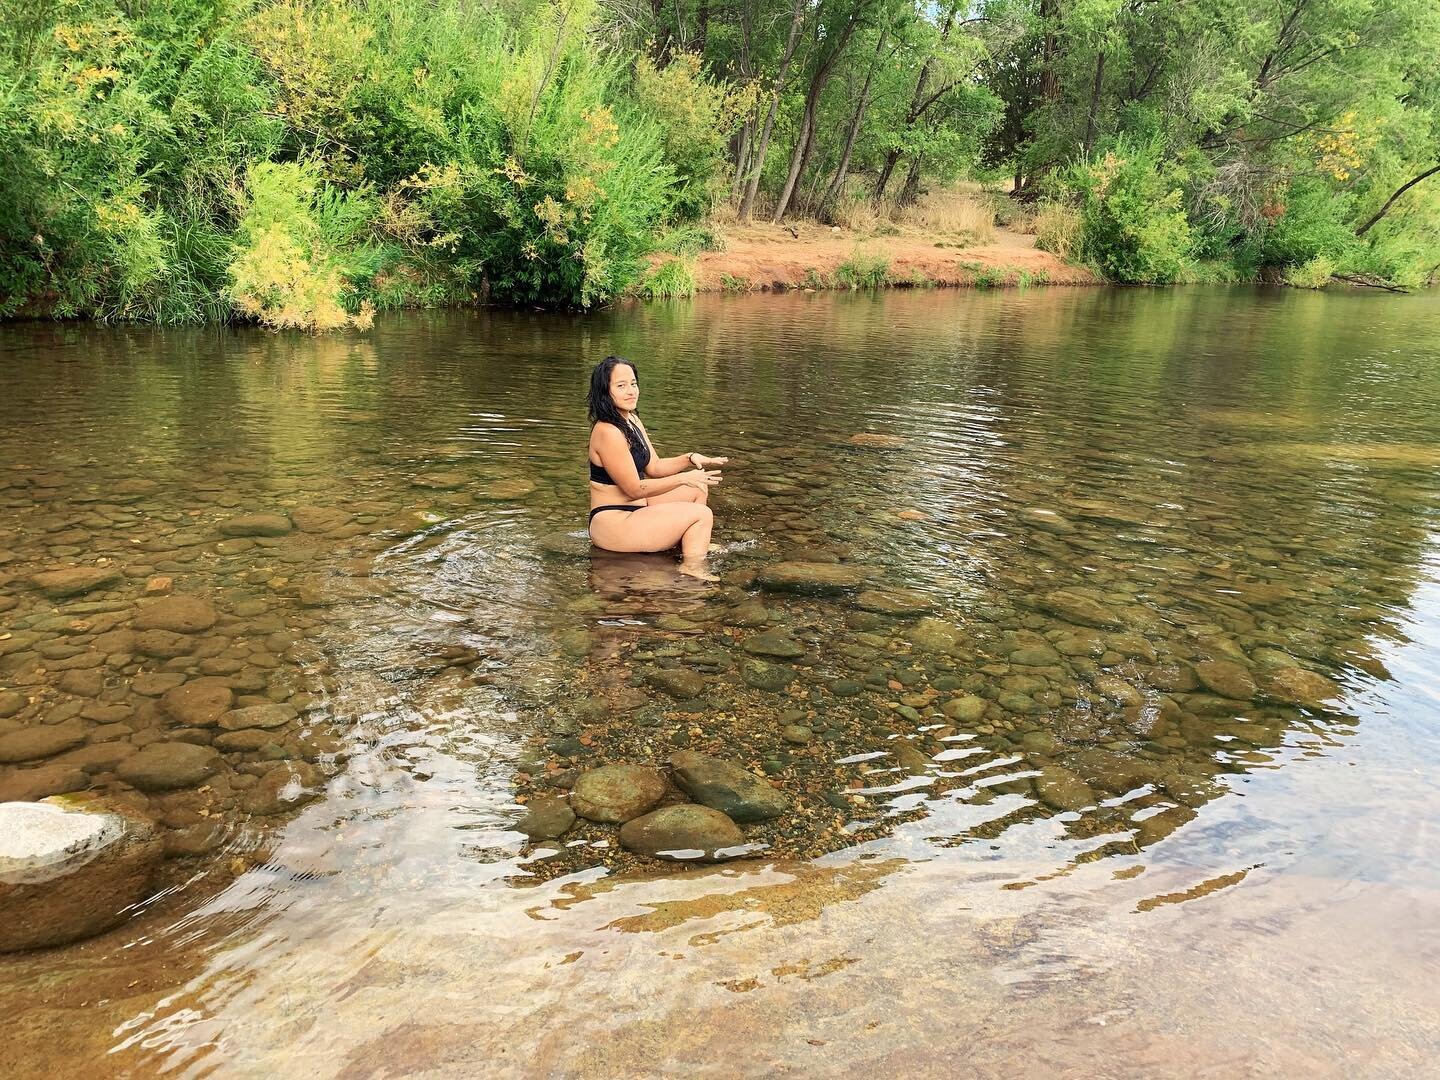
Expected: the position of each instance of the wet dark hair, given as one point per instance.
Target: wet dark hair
(602, 405)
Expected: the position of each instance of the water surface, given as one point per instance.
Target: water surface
(1122, 760)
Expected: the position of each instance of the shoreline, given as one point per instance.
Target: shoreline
(779, 258)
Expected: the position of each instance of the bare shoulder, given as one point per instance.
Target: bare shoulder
(606, 434)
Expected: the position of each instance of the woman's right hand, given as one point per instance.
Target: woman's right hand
(701, 478)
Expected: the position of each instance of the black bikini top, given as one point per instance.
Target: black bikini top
(639, 451)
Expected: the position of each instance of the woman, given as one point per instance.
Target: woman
(640, 501)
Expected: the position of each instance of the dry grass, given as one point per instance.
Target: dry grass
(1057, 229)
(949, 213)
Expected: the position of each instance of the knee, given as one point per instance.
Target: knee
(704, 515)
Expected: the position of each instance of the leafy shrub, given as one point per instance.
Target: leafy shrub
(696, 116)
(1133, 226)
(286, 272)
(669, 280)
(1310, 225)
(862, 271)
(1314, 274)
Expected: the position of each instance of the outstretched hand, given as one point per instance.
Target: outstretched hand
(704, 462)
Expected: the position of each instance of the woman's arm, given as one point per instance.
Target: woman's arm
(614, 454)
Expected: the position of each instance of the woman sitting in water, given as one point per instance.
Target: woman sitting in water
(640, 501)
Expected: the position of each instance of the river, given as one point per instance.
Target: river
(1119, 757)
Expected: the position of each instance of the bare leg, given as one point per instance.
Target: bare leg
(657, 527)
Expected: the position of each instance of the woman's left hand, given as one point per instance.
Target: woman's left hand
(703, 462)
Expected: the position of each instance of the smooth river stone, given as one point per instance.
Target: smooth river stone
(1076, 608)
(617, 793)
(775, 642)
(504, 489)
(258, 716)
(57, 778)
(934, 636)
(726, 786)
(165, 766)
(318, 519)
(1061, 789)
(810, 578)
(288, 786)
(1296, 686)
(69, 871)
(546, 817)
(197, 704)
(178, 614)
(31, 744)
(893, 602)
(74, 581)
(682, 834)
(1226, 678)
(256, 525)
(677, 682)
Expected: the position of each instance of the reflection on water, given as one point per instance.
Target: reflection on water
(1133, 702)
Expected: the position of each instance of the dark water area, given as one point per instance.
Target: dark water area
(1115, 752)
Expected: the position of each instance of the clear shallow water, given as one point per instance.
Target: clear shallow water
(1094, 859)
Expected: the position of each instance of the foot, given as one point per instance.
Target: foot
(698, 570)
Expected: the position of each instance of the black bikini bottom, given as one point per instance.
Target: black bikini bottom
(614, 506)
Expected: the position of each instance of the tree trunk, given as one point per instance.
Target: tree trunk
(827, 201)
(911, 191)
(824, 68)
(742, 160)
(753, 185)
(1094, 101)
(892, 158)
(1363, 229)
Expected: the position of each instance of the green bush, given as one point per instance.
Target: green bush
(670, 280)
(1133, 226)
(863, 271)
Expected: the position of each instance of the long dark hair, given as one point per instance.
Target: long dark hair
(602, 406)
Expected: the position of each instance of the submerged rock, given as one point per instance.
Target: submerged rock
(1296, 686)
(165, 766)
(1077, 608)
(31, 744)
(934, 636)
(893, 602)
(178, 614)
(727, 787)
(1226, 678)
(286, 787)
(775, 642)
(257, 525)
(617, 793)
(76, 580)
(811, 578)
(677, 682)
(769, 677)
(69, 871)
(1061, 789)
(682, 833)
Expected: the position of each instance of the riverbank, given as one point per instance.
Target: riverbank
(763, 257)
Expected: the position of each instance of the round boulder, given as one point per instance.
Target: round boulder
(617, 793)
(69, 870)
(683, 833)
(288, 786)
